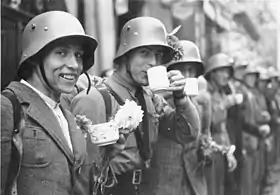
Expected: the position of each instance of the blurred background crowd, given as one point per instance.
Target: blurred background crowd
(230, 26)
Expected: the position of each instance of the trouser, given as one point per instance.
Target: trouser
(215, 174)
(247, 175)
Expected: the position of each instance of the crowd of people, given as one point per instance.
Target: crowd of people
(223, 140)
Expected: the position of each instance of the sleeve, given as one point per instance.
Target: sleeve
(182, 122)
(6, 139)
(93, 106)
(203, 104)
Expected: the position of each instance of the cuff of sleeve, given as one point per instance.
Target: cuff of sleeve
(182, 103)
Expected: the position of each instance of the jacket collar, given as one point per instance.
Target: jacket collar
(37, 109)
(126, 89)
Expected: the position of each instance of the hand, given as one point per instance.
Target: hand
(116, 148)
(232, 162)
(177, 81)
(266, 116)
(264, 130)
(233, 99)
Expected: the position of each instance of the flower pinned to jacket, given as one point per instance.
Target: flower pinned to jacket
(173, 41)
(83, 124)
(129, 116)
(208, 146)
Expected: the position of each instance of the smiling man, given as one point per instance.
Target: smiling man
(47, 153)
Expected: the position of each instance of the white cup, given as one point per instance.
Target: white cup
(158, 79)
(104, 134)
(239, 98)
(191, 87)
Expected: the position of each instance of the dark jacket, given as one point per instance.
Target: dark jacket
(181, 125)
(48, 166)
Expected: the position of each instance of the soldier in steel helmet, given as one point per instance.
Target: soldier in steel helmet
(47, 153)
(253, 115)
(218, 72)
(143, 45)
(241, 127)
(176, 174)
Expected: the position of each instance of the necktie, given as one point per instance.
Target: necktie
(145, 150)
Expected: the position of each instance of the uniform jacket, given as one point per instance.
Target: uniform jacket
(48, 166)
(219, 130)
(176, 168)
(181, 125)
(241, 123)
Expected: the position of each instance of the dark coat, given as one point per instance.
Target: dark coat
(176, 168)
(48, 166)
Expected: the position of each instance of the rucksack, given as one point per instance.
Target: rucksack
(16, 150)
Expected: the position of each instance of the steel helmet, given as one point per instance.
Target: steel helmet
(51, 26)
(219, 60)
(190, 54)
(241, 63)
(272, 73)
(252, 70)
(143, 31)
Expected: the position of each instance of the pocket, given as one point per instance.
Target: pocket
(153, 125)
(36, 148)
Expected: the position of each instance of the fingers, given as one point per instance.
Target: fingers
(177, 81)
(118, 147)
(121, 139)
(232, 163)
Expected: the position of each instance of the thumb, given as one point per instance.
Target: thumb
(121, 139)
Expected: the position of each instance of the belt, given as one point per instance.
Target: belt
(134, 177)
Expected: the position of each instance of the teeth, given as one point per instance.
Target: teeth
(68, 77)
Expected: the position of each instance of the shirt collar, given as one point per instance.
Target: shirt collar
(45, 98)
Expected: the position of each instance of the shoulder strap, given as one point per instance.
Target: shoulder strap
(107, 99)
(137, 132)
(116, 96)
(16, 150)
(16, 106)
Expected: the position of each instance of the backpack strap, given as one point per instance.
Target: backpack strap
(107, 99)
(16, 107)
(116, 96)
(137, 133)
(16, 149)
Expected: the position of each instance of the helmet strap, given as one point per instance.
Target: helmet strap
(128, 70)
(89, 82)
(41, 65)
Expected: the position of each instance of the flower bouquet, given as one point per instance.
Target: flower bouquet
(125, 121)
(207, 146)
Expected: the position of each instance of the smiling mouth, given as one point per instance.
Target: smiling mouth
(69, 77)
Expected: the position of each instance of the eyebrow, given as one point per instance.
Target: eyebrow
(157, 50)
(68, 46)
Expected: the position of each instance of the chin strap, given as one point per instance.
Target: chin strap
(89, 82)
(42, 70)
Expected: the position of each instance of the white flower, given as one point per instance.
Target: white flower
(83, 123)
(129, 116)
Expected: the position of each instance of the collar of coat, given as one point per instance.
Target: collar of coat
(37, 109)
